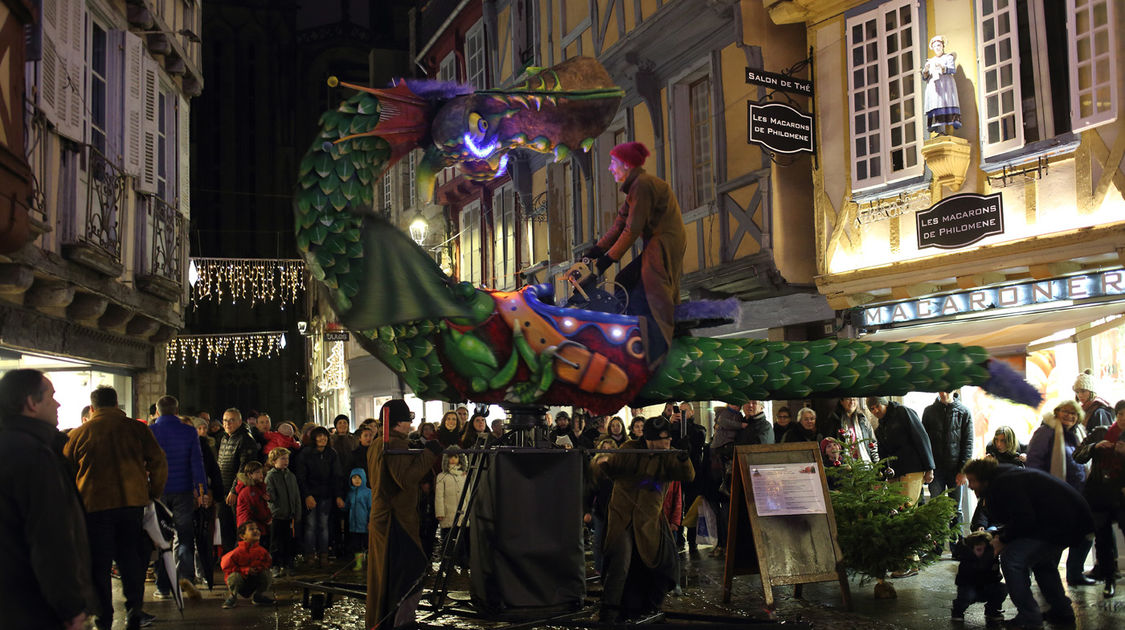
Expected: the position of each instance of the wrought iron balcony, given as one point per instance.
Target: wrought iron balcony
(93, 237)
(162, 234)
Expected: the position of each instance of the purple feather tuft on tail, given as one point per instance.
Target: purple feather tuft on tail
(1007, 383)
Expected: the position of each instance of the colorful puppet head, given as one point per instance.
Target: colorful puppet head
(556, 110)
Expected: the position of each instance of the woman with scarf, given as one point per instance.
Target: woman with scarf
(1051, 450)
(616, 431)
(449, 432)
(1099, 413)
(804, 429)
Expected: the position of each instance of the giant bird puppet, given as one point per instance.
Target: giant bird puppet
(452, 341)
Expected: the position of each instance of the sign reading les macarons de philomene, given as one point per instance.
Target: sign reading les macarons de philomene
(960, 220)
(780, 128)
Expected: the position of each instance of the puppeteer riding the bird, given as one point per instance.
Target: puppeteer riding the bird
(651, 281)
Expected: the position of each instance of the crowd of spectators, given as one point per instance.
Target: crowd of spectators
(273, 498)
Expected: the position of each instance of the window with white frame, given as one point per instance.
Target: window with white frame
(471, 260)
(1046, 68)
(1093, 60)
(99, 93)
(702, 174)
(525, 35)
(162, 146)
(884, 93)
(475, 67)
(447, 69)
(387, 192)
(412, 180)
(504, 238)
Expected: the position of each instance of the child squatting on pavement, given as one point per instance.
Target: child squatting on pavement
(978, 578)
(246, 568)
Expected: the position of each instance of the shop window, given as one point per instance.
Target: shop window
(475, 67)
(884, 93)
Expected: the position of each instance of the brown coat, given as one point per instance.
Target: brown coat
(637, 502)
(117, 460)
(652, 213)
(393, 531)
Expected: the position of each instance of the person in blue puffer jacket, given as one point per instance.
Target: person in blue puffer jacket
(358, 503)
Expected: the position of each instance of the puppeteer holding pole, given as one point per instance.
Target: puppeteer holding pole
(396, 563)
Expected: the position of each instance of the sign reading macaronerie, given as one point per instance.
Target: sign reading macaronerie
(1054, 290)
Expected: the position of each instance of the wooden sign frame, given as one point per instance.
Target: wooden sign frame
(803, 538)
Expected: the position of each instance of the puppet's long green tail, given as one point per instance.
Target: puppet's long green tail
(750, 369)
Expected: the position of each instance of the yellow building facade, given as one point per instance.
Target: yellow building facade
(1009, 231)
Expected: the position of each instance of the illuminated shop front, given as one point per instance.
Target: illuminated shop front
(1050, 329)
(73, 381)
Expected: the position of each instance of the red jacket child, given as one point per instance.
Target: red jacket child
(253, 500)
(248, 557)
(282, 437)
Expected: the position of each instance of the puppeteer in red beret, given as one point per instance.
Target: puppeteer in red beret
(651, 213)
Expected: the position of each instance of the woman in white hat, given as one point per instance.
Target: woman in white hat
(1099, 413)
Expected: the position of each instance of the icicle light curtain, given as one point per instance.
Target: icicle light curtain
(238, 347)
(254, 279)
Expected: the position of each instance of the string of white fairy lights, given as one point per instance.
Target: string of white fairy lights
(192, 349)
(256, 279)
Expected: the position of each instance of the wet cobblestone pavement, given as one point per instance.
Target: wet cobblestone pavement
(923, 603)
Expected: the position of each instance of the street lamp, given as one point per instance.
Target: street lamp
(418, 229)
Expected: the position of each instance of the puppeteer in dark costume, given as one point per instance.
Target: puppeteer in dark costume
(650, 212)
(396, 561)
(640, 556)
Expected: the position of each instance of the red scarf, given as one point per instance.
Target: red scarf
(1113, 433)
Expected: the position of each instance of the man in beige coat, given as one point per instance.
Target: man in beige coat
(640, 556)
(120, 468)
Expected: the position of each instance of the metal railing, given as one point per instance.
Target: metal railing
(100, 224)
(164, 240)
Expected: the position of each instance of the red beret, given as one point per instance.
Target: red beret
(632, 154)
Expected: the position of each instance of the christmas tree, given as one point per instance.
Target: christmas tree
(878, 529)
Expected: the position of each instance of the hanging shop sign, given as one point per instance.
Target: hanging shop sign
(779, 128)
(960, 220)
(336, 335)
(1093, 285)
(782, 82)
